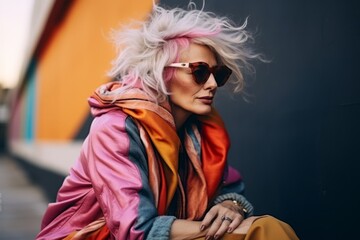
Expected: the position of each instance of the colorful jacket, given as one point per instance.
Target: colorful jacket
(137, 174)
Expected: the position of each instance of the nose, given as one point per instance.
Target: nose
(210, 83)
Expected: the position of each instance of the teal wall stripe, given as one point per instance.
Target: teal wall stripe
(30, 113)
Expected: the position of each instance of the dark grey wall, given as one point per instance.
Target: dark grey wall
(297, 142)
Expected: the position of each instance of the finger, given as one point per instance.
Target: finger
(209, 217)
(216, 224)
(235, 223)
(226, 222)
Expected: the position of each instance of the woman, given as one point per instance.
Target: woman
(154, 165)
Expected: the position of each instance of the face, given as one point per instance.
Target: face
(187, 97)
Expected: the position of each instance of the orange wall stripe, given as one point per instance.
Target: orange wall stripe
(75, 62)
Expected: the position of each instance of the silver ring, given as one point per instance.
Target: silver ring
(224, 218)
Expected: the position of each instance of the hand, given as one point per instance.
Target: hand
(221, 218)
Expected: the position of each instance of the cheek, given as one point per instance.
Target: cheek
(183, 84)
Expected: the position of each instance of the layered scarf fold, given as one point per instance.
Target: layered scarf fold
(158, 129)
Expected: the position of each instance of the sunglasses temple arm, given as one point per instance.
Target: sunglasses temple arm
(180, 65)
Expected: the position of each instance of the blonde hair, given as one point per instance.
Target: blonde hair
(146, 48)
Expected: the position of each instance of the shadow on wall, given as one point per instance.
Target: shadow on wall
(4, 116)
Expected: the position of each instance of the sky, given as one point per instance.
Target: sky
(15, 25)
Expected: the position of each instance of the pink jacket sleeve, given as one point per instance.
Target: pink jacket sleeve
(115, 161)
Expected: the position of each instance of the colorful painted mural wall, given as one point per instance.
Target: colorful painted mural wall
(50, 113)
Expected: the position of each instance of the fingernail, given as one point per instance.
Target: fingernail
(202, 227)
(229, 229)
(216, 237)
(208, 237)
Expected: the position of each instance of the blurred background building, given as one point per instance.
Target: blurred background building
(295, 140)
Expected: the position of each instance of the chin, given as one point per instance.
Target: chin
(203, 110)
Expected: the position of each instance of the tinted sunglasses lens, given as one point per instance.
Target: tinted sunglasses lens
(222, 74)
(201, 73)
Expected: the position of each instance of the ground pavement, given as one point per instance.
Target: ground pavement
(22, 203)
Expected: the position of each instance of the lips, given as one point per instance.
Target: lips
(206, 99)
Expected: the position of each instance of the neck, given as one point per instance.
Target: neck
(180, 116)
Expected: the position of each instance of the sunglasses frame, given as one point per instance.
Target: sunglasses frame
(211, 70)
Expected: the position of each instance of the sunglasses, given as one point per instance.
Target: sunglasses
(201, 72)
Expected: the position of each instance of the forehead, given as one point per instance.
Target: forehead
(198, 53)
